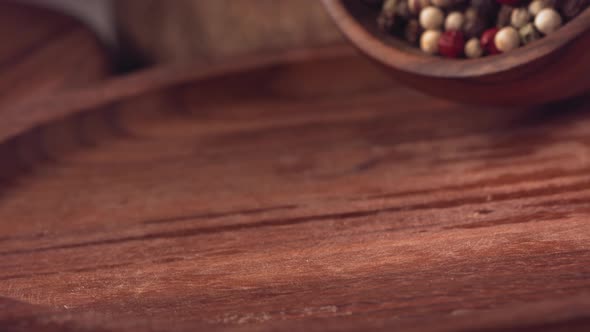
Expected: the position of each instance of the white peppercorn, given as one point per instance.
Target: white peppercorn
(507, 39)
(429, 41)
(536, 6)
(473, 28)
(454, 21)
(548, 20)
(520, 17)
(431, 18)
(473, 48)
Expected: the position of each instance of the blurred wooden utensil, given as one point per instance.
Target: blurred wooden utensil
(172, 31)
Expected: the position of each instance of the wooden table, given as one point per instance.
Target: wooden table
(298, 192)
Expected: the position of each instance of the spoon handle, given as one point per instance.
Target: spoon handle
(17, 118)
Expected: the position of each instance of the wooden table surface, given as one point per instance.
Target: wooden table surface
(307, 194)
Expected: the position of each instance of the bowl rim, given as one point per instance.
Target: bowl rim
(434, 66)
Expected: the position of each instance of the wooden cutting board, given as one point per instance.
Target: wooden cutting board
(298, 192)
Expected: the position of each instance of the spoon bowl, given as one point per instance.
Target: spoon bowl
(550, 69)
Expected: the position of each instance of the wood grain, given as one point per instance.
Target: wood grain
(313, 195)
(551, 69)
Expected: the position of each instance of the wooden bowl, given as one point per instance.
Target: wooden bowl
(553, 68)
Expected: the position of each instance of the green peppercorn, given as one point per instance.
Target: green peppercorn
(528, 33)
(387, 18)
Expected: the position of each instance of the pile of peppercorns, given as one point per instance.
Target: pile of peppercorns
(473, 28)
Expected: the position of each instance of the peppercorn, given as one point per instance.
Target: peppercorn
(471, 14)
(387, 19)
(473, 27)
(487, 41)
(412, 31)
(389, 7)
(571, 8)
(451, 44)
(504, 16)
(454, 21)
(485, 8)
(402, 10)
(528, 33)
(537, 5)
(547, 21)
(507, 39)
(473, 48)
(431, 18)
(429, 41)
(520, 17)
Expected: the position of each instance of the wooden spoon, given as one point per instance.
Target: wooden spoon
(57, 67)
(553, 68)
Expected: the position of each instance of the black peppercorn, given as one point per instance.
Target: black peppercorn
(413, 31)
(376, 4)
(474, 26)
(486, 8)
(403, 10)
(387, 19)
(504, 16)
(571, 8)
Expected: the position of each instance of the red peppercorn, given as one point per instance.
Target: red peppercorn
(512, 3)
(487, 41)
(451, 44)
